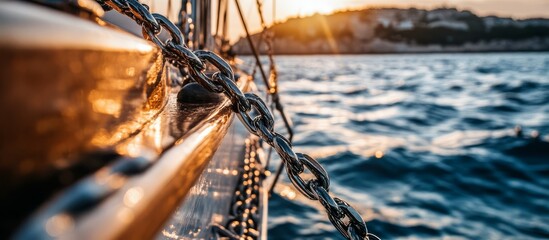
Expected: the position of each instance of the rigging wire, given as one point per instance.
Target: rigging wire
(225, 17)
(169, 10)
(274, 12)
(218, 18)
(250, 42)
(270, 83)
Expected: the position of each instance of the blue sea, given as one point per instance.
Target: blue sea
(426, 146)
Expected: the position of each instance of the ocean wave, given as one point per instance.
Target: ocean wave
(424, 146)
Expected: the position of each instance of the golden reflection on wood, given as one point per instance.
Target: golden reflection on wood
(92, 89)
(68, 87)
(57, 109)
(57, 99)
(169, 180)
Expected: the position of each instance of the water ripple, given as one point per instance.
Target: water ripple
(424, 146)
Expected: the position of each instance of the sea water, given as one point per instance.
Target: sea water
(423, 145)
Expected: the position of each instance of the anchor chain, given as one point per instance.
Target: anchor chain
(249, 108)
(244, 221)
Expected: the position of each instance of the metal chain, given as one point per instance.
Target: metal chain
(244, 221)
(272, 84)
(250, 109)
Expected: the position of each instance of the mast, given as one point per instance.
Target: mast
(200, 31)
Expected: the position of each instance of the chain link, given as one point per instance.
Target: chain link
(250, 109)
(245, 213)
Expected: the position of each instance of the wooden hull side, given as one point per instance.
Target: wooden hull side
(80, 101)
(70, 90)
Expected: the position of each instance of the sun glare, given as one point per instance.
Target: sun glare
(310, 7)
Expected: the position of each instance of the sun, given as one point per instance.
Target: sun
(310, 7)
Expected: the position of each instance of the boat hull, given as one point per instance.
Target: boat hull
(101, 144)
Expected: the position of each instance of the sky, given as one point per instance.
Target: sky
(292, 8)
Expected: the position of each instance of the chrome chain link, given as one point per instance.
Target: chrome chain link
(245, 212)
(250, 109)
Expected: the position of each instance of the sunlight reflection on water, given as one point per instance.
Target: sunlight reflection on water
(423, 146)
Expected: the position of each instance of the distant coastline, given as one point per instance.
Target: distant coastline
(391, 30)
